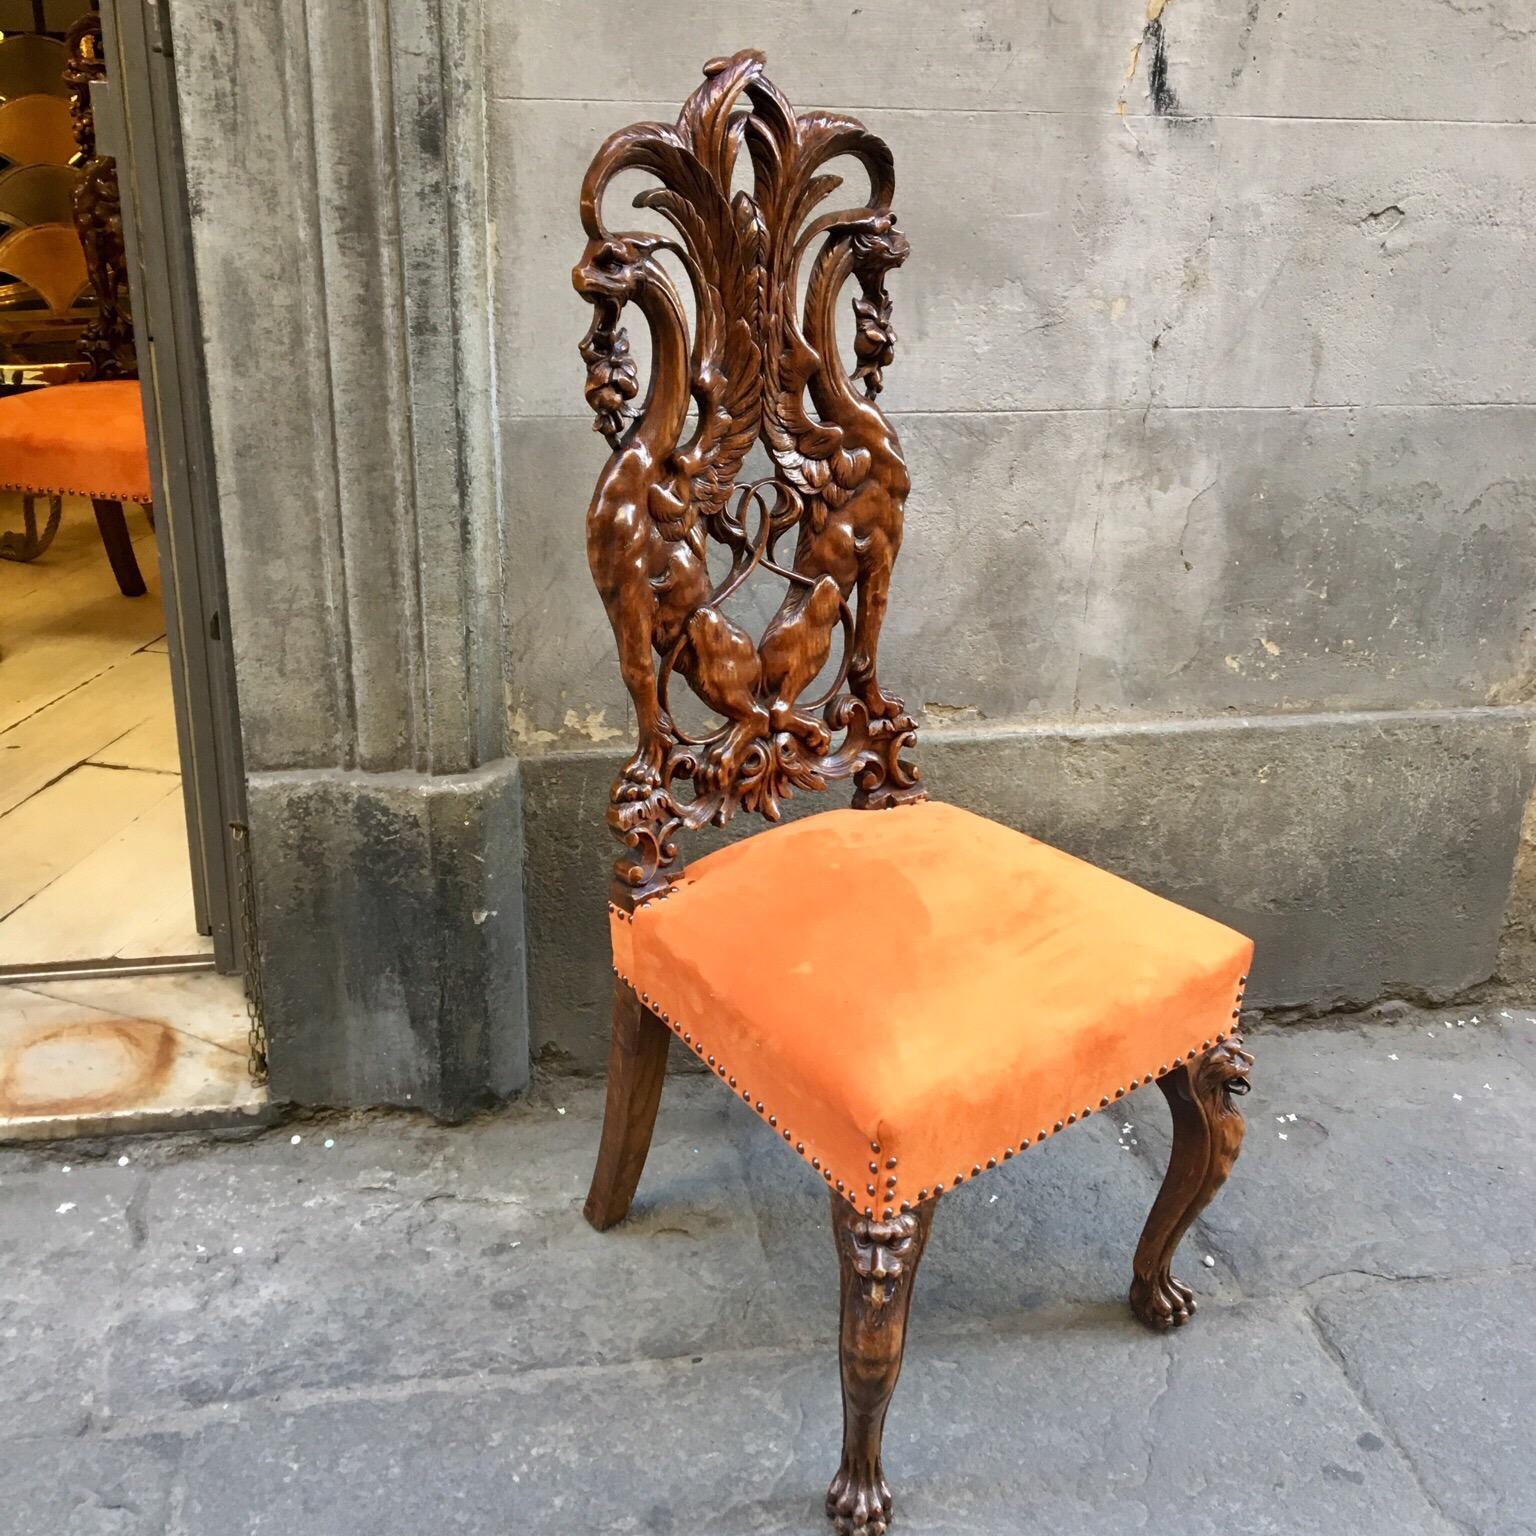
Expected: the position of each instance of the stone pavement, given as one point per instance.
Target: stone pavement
(373, 1326)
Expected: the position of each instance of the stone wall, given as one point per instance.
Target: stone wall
(336, 159)
(1217, 378)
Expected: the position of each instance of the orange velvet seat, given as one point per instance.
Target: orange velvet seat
(82, 439)
(909, 996)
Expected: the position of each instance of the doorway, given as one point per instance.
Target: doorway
(122, 957)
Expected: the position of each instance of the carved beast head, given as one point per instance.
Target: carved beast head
(880, 1251)
(877, 246)
(613, 268)
(611, 271)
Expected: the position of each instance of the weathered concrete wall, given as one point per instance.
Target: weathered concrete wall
(1217, 377)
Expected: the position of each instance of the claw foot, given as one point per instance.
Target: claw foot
(637, 797)
(725, 760)
(859, 1502)
(806, 729)
(639, 778)
(1163, 1302)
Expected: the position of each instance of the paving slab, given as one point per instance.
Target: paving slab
(90, 1487)
(361, 1264)
(1057, 1429)
(63, 1236)
(411, 1329)
(1445, 1365)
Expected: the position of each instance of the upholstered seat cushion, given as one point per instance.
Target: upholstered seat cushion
(909, 996)
(76, 439)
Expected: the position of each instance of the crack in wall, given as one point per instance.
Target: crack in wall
(1165, 100)
(1154, 43)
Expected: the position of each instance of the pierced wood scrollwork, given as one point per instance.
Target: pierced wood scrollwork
(107, 343)
(1207, 1136)
(752, 369)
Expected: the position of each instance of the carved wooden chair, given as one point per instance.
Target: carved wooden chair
(83, 436)
(906, 993)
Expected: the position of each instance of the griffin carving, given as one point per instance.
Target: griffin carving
(748, 367)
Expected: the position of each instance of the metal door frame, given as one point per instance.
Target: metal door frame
(138, 122)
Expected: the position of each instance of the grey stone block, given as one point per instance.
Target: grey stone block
(348, 378)
(1418, 60)
(1070, 262)
(1112, 1424)
(1106, 564)
(1384, 1171)
(1369, 855)
(55, 1317)
(343, 1246)
(1442, 1365)
(1517, 1028)
(1261, 560)
(392, 936)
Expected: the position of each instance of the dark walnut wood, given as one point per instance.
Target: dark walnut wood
(877, 1264)
(107, 343)
(1207, 1136)
(112, 524)
(637, 1066)
(754, 367)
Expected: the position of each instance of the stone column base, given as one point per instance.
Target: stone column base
(391, 910)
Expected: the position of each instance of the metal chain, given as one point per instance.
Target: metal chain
(255, 1004)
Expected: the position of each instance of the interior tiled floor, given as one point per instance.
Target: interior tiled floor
(123, 1054)
(91, 820)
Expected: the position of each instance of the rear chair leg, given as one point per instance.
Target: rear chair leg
(877, 1261)
(1207, 1136)
(637, 1065)
(113, 527)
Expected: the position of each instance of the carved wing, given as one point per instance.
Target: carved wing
(721, 249)
(787, 152)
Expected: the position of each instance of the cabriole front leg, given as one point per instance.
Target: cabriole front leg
(877, 1263)
(1207, 1135)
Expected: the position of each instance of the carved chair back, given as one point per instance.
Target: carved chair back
(755, 365)
(63, 275)
(106, 347)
